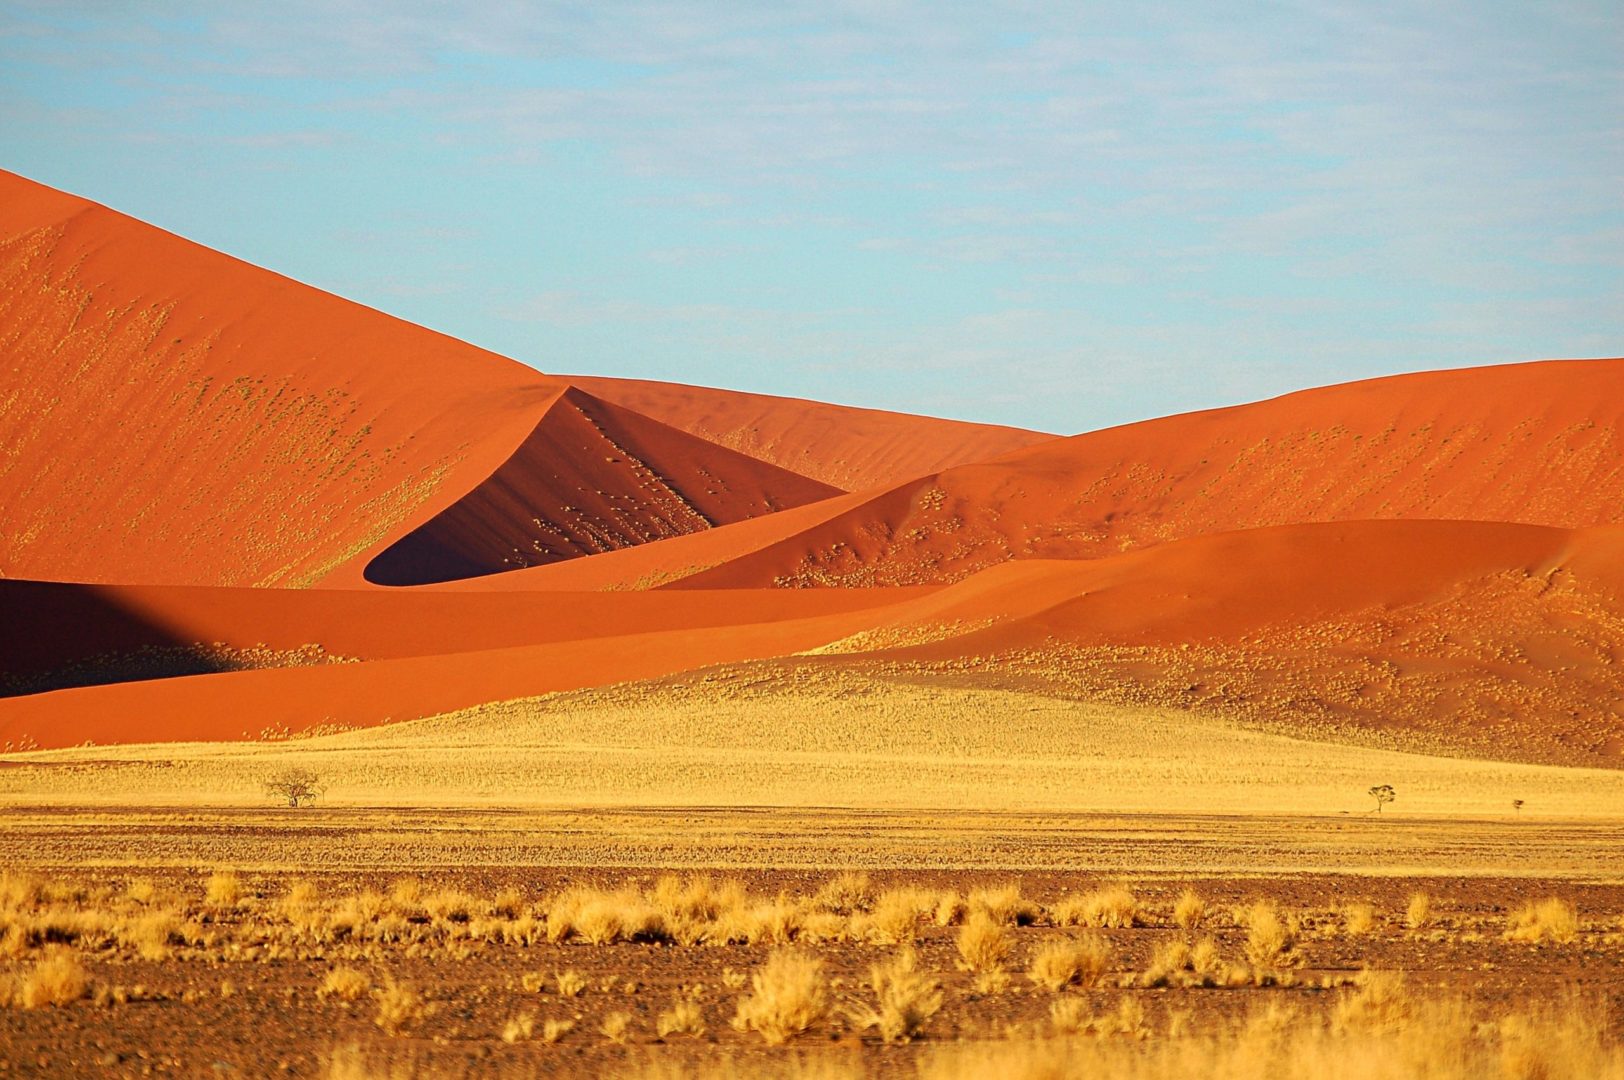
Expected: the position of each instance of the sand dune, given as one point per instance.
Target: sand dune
(851, 448)
(1528, 443)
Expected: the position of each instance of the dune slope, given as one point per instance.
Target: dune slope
(1529, 443)
(847, 447)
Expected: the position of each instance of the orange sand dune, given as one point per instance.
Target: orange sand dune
(249, 704)
(69, 628)
(1531, 443)
(1504, 638)
(848, 447)
(564, 494)
(174, 415)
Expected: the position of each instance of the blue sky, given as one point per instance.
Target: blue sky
(1061, 216)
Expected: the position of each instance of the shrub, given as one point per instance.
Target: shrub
(400, 1007)
(1358, 919)
(1419, 911)
(1111, 907)
(1271, 940)
(905, 999)
(223, 889)
(684, 1017)
(1189, 910)
(1063, 962)
(788, 996)
(56, 979)
(344, 983)
(983, 943)
(1552, 919)
(616, 1027)
(296, 784)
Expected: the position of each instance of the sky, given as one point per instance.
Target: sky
(1056, 216)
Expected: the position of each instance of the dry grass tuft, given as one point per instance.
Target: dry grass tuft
(847, 892)
(1004, 904)
(1358, 919)
(224, 889)
(616, 1027)
(984, 943)
(788, 997)
(400, 1007)
(1552, 919)
(1115, 906)
(905, 999)
(57, 978)
(520, 1028)
(569, 983)
(1418, 912)
(1066, 962)
(1271, 938)
(554, 1030)
(684, 1017)
(1189, 911)
(344, 983)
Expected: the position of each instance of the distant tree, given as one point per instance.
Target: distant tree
(1517, 805)
(1383, 794)
(296, 784)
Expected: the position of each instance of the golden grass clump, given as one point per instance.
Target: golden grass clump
(1189, 910)
(223, 889)
(616, 1027)
(1115, 906)
(984, 943)
(554, 1030)
(896, 916)
(1359, 918)
(400, 1007)
(569, 983)
(1072, 1016)
(1418, 912)
(789, 996)
(1177, 964)
(1065, 962)
(905, 999)
(344, 983)
(1271, 938)
(684, 1017)
(1004, 904)
(1379, 1003)
(1552, 919)
(520, 1028)
(846, 892)
(56, 979)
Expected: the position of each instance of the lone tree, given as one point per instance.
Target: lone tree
(1383, 794)
(1517, 804)
(296, 785)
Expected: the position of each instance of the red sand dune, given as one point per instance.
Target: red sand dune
(848, 447)
(249, 704)
(1530, 443)
(1495, 637)
(173, 415)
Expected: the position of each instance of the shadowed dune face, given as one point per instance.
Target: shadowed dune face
(850, 448)
(592, 477)
(1531, 443)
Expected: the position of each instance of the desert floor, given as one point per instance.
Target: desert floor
(428, 914)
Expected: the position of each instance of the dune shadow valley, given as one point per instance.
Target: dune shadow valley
(373, 705)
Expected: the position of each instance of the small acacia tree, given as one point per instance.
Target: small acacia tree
(297, 785)
(1383, 794)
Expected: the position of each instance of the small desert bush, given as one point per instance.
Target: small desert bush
(344, 983)
(400, 1007)
(1066, 962)
(520, 1028)
(1200, 965)
(1552, 919)
(1271, 938)
(616, 1027)
(1379, 1003)
(905, 999)
(1418, 912)
(847, 892)
(684, 1017)
(554, 1030)
(1189, 911)
(57, 978)
(1004, 904)
(1115, 906)
(1358, 919)
(896, 916)
(984, 943)
(224, 889)
(788, 996)
(569, 983)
